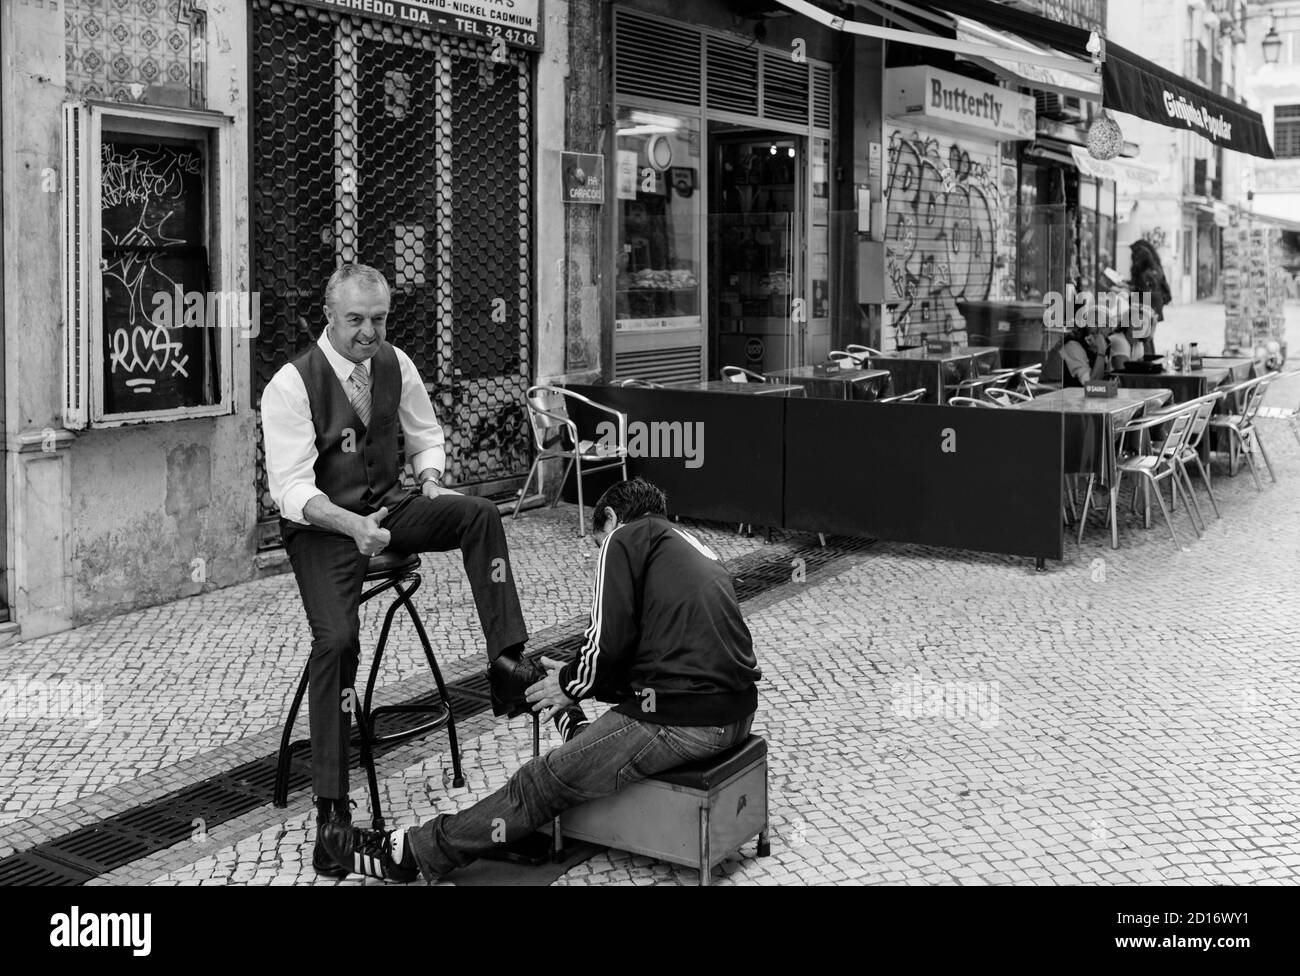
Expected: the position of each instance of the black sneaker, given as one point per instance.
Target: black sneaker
(337, 813)
(570, 721)
(368, 852)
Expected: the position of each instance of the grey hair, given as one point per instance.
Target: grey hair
(354, 272)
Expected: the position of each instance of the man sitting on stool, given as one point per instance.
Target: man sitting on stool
(666, 644)
(330, 419)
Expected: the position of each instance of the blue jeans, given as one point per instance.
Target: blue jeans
(611, 753)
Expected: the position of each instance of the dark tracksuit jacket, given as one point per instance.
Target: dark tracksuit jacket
(666, 643)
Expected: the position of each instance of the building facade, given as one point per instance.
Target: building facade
(180, 178)
(1186, 212)
(1273, 185)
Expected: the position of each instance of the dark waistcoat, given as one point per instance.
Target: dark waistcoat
(356, 465)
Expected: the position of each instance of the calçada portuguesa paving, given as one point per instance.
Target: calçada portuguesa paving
(933, 717)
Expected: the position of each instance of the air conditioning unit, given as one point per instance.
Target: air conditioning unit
(1062, 108)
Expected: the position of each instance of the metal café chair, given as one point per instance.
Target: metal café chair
(1025, 379)
(738, 374)
(636, 382)
(965, 401)
(911, 396)
(1160, 465)
(965, 379)
(557, 436)
(1192, 449)
(862, 354)
(1247, 397)
(1292, 416)
(866, 352)
(1004, 397)
(846, 359)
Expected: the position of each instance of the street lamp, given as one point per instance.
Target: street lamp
(1272, 44)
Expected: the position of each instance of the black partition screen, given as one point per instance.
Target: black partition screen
(988, 480)
(717, 456)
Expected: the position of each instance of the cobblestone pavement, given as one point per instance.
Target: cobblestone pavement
(932, 716)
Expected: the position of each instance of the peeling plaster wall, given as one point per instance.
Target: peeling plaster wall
(166, 510)
(105, 520)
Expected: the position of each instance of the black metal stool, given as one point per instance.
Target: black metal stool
(387, 571)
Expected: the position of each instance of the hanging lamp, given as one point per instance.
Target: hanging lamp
(1104, 136)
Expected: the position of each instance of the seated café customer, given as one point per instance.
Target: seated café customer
(1089, 354)
(666, 645)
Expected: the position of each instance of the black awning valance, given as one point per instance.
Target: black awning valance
(1130, 83)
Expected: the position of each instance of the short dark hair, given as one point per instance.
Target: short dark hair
(629, 499)
(359, 272)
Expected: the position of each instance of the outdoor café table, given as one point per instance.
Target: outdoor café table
(1187, 385)
(847, 384)
(753, 389)
(915, 368)
(1090, 425)
(1239, 369)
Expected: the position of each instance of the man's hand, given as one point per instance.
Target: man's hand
(432, 490)
(370, 538)
(547, 694)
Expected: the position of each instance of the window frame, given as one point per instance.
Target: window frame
(1292, 123)
(87, 123)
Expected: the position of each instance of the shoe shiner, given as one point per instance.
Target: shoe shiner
(666, 645)
(331, 419)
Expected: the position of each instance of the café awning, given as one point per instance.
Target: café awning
(1131, 176)
(1130, 83)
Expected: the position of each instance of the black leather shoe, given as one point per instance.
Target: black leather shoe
(570, 721)
(340, 816)
(510, 675)
(368, 852)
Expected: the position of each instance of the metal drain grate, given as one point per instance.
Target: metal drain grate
(88, 852)
(30, 869)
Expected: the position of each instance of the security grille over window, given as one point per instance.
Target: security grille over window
(409, 151)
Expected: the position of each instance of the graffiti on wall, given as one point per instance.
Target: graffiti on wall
(943, 204)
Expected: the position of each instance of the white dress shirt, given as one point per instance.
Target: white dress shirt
(290, 436)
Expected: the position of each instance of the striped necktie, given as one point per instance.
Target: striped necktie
(359, 392)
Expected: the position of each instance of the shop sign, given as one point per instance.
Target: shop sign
(584, 177)
(924, 92)
(510, 23)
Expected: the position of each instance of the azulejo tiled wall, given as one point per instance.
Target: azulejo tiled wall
(150, 51)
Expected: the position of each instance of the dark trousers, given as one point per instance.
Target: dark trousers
(330, 570)
(612, 752)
